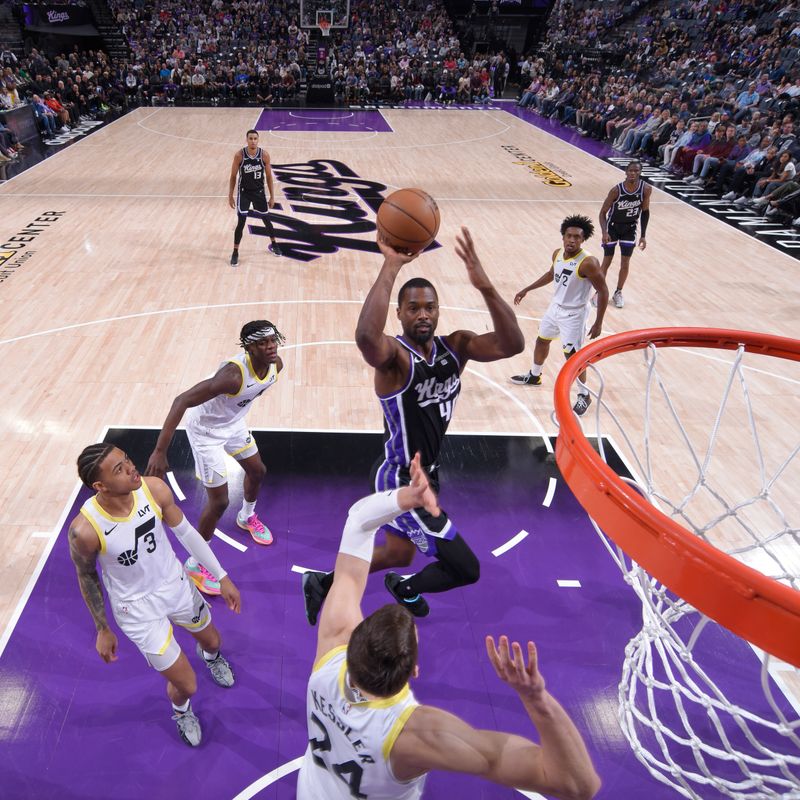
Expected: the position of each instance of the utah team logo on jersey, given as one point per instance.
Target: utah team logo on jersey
(329, 208)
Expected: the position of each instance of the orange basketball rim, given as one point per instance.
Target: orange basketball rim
(742, 599)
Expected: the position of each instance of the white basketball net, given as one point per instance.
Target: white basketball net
(680, 724)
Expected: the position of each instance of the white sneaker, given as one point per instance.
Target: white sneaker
(761, 201)
(796, 222)
(741, 201)
(729, 196)
(618, 299)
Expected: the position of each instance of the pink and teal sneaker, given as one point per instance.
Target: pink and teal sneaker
(202, 578)
(258, 530)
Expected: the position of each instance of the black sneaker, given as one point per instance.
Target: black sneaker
(418, 606)
(528, 379)
(313, 594)
(275, 249)
(582, 404)
(234, 258)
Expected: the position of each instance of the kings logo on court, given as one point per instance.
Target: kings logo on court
(328, 207)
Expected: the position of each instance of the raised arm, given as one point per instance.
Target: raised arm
(378, 349)
(237, 162)
(342, 611)
(538, 283)
(228, 380)
(506, 339)
(83, 549)
(559, 767)
(611, 197)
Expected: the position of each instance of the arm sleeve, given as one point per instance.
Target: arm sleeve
(199, 548)
(363, 521)
(645, 220)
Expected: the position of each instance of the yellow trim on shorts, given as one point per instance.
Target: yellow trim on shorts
(97, 529)
(324, 659)
(246, 447)
(149, 495)
(396, 730)
(244, 381)
(166, 644)
(546, 338)
(194, 625)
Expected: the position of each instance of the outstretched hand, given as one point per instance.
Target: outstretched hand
(524, 679)
(423, 495)
(465, 250)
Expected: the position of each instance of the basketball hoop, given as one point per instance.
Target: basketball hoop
(669, 549)
(752, 605)
(325, 27)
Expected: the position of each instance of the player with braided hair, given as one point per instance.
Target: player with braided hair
(215, 409)
(121, 529)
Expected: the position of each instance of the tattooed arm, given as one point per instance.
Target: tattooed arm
(83, 548)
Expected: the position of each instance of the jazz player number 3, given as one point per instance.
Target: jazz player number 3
(121, 527)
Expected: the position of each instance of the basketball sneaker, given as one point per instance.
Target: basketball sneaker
(188, 727)
(261, 533)
(618, 299)
(528, 379)
(418, 606)
(219, 668)
(234, 258)
(313, 594)
(275, 249)
(202, 578)
(582, 404)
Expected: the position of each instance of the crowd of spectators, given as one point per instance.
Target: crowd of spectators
(218, 51)
(62, 92)
(401, 52)
(709, 89)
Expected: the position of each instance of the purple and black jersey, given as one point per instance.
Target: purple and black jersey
(416, 417)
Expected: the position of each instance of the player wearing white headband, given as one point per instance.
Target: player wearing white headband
(215, 409)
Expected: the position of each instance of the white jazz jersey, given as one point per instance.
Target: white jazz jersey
(225, 409)
(136, 558)
(572, 289)
(349, 742)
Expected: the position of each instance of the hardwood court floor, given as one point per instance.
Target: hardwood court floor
(123, 296)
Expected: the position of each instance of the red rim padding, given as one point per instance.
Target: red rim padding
(745, 601)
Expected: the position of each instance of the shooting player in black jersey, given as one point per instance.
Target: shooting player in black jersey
(250, 167)
(626, 203)
(417, 380)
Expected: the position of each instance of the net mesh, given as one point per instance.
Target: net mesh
(743, 742)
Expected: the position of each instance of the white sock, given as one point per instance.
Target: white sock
(536, 369)
(210, 656)
(248, 509)
(184, 708)
(582, 387)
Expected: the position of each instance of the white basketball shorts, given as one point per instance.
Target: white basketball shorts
(148, 621)
(567, 324)
(209, 446)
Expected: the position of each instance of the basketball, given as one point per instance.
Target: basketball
(408, 220)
